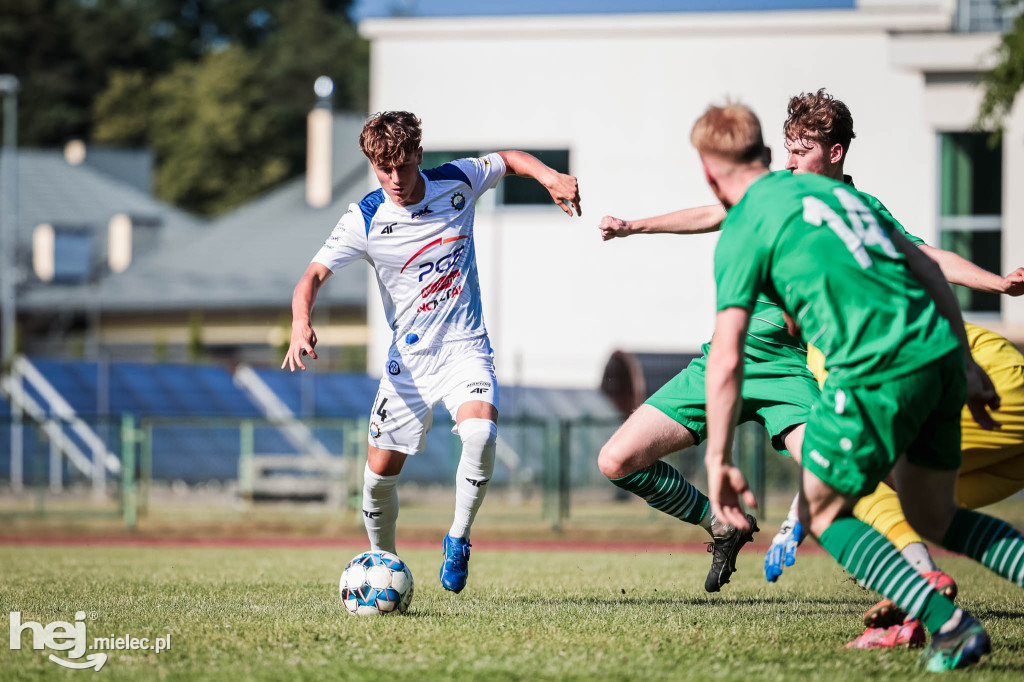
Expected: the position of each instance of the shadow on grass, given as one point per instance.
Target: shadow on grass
(667, 600)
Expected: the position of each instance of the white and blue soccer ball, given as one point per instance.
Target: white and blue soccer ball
(376, 584)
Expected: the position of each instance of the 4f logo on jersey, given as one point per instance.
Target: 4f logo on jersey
(387, 229)
(422, 212)
(480, 390)
(458, 201)
(371, 514)
(475, 483)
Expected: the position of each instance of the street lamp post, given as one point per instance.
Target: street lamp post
(8, 218)
(8, 262)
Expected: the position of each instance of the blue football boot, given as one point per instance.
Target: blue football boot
(959, 648)
(455, 567)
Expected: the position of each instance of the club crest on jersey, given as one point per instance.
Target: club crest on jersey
(374, 430)
(422, 212)
(458, 201)
(393, 368)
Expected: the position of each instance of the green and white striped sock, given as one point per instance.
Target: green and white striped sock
(988, 540)
(878, 565)
(666, 490)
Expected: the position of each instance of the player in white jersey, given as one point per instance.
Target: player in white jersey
(417, 234)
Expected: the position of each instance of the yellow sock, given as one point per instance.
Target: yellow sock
(881, 509)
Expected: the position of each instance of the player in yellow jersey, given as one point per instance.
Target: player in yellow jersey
(818, 132)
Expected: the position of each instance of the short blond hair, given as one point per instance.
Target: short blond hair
(390, 138)
(731, 132)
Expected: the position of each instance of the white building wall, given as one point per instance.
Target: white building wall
(621, 93)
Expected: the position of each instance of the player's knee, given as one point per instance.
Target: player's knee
(479, 437)
(375, 484)
(614, 461)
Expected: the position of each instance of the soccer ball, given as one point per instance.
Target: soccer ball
(376, 584)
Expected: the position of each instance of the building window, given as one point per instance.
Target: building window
(512, 190)
(62, 254)
(970, 216)
(435, 159)
(515, 191)
(72, 255)
(985, 15)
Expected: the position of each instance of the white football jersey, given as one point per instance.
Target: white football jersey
(423, 254)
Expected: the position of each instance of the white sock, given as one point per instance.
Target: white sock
(708, 520)
(953, 621)
(475, 468)
(380, 510)
(918, 557)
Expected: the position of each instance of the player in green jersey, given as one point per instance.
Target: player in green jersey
(778, 394)
(818, 131)
(896, 351)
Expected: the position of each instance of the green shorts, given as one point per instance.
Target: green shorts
(855, 434)
(777, 395)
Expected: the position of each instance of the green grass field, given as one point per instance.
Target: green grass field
(245, 614)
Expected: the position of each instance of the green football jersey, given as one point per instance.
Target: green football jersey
(880, 208)
(820, 249)
(768, 340)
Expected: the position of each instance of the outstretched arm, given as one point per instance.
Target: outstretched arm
(726, 485)
(564, 189)
(980, 391)
(686, 221)
(959, 270)
(303, 339)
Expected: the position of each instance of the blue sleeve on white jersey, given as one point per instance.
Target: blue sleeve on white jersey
(347, 242)
(448, 171)
(369, 205)
(483, 173)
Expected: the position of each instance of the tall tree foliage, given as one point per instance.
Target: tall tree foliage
(61, 50)
(1004, 81)
(219, 89)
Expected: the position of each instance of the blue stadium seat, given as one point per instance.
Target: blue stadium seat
(195, 451)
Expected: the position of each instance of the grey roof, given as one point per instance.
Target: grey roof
(250, 258)
(50, 190)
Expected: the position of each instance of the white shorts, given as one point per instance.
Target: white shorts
(411, 387)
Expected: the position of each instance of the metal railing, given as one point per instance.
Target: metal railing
(547, 461)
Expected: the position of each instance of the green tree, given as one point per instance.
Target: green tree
(123, 110)
(233, 124)
(61, 51)
(1002, 83)
(213, 133)
(109, 71)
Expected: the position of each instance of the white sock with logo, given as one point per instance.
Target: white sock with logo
(475, 468)
(380, 510)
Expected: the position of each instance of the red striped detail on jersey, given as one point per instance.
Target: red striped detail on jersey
(436, 242)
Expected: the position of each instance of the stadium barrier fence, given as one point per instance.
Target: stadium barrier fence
(550, 462)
